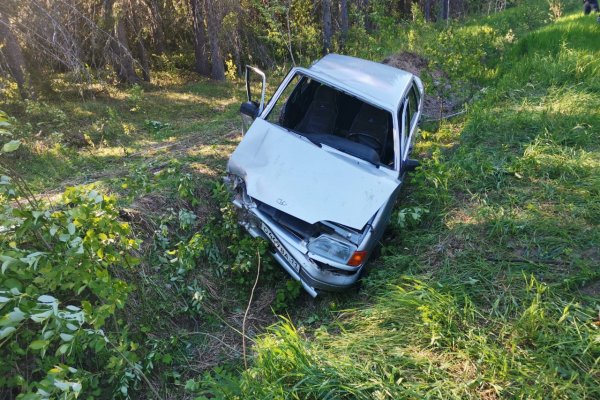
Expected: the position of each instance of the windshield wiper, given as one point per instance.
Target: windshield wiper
(306, 136)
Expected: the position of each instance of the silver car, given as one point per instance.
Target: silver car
(320, 167)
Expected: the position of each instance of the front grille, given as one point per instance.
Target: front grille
(297, 227)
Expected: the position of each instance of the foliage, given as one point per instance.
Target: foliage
(409, 216)
(285, 296)
(136, 96)
(59, 294)
(229, 251)
(286, 26)
(555, 9)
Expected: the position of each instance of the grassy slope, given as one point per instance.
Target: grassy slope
(495, 293)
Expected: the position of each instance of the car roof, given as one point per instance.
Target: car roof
(381, 84)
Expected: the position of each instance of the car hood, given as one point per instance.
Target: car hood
(293, 175)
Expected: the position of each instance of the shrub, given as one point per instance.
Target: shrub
(58, 295)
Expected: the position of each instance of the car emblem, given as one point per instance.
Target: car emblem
(281, 202)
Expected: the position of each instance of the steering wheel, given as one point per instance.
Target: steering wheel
(365, 139)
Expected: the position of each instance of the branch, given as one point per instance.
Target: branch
(248, 309)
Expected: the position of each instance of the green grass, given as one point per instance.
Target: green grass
(71, 139)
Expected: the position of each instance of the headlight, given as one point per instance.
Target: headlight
(332, 249)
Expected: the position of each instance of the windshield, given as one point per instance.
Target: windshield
(328, 116)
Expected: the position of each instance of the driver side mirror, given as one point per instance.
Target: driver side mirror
(411, 165)
(251, 104)
(250, 109)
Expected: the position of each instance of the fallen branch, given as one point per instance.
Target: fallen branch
(246, 313)
(443, 117)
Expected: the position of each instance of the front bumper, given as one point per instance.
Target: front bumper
(291, 253)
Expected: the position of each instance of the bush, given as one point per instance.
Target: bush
(59, 295)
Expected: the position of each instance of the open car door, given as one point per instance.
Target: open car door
(253, 107)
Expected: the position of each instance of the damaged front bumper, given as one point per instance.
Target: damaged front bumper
(313, 272)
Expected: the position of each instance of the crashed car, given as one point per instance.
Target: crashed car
(320, 167)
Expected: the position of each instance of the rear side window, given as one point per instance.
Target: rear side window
(414, 99)
(408, 112)
(404, 118)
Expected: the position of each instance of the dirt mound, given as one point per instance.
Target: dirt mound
(439, 101)
(411, 62)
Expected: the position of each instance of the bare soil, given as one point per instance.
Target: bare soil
(439, 103)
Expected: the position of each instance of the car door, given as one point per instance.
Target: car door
(408, 118)
(413, 115)
(252, 108)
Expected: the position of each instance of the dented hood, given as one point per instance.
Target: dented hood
(299, 178)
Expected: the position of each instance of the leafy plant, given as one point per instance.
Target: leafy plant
(4, 124)
(286, 295)
(57, 292)
(156, 125)
(135, 97)
(410, 216)
(555, 9)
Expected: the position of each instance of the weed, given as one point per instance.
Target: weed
(135, 97)
(407, 217)
(286, 295)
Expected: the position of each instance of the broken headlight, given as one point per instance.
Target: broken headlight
(331, 249)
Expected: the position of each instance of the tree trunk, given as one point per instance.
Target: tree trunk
(365, 7)
(327, 31)
(120, 55)
(344, 20)
(427, 10)
(445, 9)
(125, 61)
(139, 42)
(212, 24)
(14, 56)
(158, 35)
(202, 65)
(143, 59)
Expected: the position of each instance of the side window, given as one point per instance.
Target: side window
(407, 118)
(404, 125)
(414, 99)
(278, 113)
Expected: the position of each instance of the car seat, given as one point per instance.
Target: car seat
(371, 127)
(321, 114)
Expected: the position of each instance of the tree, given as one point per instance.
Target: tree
(119, 53)
(327, 30)
(11, 49)
(139, 40)
(202, 66)
(445, 9)
(344, 20)
(212, 24)
(156, 25)
(427, 10)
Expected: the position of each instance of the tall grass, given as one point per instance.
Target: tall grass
(419, 341)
